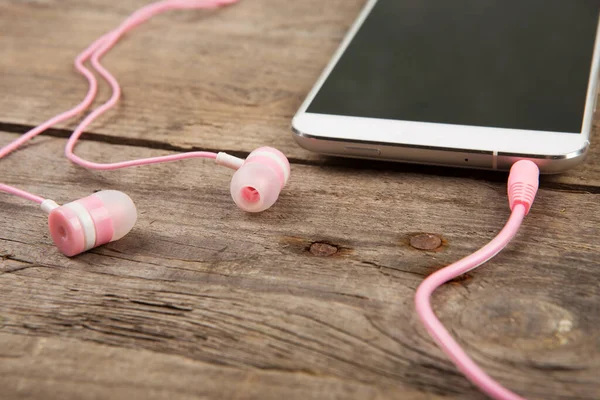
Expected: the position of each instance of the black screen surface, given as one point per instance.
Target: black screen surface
(520, 64)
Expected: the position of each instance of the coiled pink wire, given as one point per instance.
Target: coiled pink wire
(423, 295)
(95, 51)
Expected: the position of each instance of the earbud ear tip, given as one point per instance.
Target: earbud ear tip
(269, 155)
(122, 211)
(255, 187)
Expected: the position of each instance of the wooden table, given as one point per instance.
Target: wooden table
(312, 299)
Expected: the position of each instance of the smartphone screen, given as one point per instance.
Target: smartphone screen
(518, 64)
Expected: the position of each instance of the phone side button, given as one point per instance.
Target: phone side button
(362, 151)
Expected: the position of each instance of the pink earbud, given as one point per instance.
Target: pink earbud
(256, 185)
(86, 223)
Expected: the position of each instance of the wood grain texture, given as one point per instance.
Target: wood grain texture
(228, 80)
(34, 366)
(203, 301)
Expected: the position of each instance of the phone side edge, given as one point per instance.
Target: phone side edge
(366, 10)
(593, 87)
(443, 156)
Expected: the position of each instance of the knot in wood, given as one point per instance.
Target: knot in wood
(425, 241)
(320, 249)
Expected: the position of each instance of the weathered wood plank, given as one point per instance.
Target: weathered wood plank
(190, 79)
(34, 367)
(199, 279)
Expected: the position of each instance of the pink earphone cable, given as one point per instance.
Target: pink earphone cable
(96, 50)
(21, 193)
(99, 49)
(15, 144)
(435, 328)
(522, 188)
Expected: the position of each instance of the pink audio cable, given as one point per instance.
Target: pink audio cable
(21, 193)
(95, 51)
(522, 186)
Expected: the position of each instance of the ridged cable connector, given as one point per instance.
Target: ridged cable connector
(523, 184)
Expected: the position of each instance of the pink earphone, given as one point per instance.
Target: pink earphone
(109, 215)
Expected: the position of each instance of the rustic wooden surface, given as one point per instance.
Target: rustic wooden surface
(312, 299)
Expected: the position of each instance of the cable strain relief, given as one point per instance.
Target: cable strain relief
(523, 183)
(229, 161)
(520, 193)
(48, 205)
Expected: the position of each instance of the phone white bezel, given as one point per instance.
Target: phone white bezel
(344, 135)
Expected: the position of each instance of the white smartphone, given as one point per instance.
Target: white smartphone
(475, 83)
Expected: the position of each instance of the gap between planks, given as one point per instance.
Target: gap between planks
(482, 175)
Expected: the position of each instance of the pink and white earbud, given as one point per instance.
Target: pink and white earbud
(256, 184)
(89, 222)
